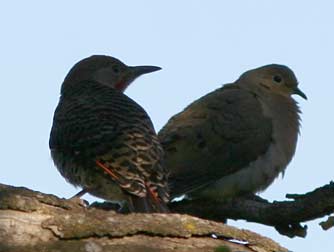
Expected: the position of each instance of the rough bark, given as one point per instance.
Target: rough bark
(33, 221)
(285, 216)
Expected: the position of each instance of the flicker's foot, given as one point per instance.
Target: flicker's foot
(79, 194)
(77, 200)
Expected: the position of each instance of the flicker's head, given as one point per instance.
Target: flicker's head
(106, 70)
(272, 78)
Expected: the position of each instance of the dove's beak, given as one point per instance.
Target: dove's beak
(297, 91)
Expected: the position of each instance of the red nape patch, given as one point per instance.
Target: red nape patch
(121, 86)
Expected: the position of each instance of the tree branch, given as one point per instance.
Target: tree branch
(33, 221)
(285, 216)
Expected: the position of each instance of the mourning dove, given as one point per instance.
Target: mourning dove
(103, 141)
(235, 140)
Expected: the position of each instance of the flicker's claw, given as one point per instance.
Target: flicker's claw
(77, 200)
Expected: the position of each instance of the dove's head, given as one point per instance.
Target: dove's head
(273, 78)
(106, 70)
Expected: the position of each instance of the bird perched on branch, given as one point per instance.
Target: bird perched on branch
(235, 140)
(103, 141)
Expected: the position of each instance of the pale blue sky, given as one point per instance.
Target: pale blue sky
(199, 44)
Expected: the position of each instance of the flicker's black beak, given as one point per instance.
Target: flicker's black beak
(139, 70)
(297, 91)
(133, 72)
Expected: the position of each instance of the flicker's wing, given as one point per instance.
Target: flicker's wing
(104, 129)
(215, 136)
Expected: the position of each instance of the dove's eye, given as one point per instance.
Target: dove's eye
(277, 78)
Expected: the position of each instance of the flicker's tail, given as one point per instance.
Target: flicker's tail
(148, 204)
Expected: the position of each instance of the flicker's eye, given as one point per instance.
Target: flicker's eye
(277, 78)
(116, 69)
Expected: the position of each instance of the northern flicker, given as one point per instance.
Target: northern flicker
(235, 140)
(103, 141)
